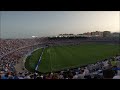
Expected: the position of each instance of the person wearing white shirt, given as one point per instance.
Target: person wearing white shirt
(105, 64)
(6, 69)
(27, 76)
(117, 76)
(81, 76)
(118, 64)
(86, 72)
(61, 76)
(20, 77)
(75, 77)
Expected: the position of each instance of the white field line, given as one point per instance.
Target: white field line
(24, 60)
(36, 68)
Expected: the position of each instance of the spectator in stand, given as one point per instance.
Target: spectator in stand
(27, 76)
(32, 76)
(80, 74)
(13, 50)
(118, 64)
(61, 76)
(20, 76)
(113, 62)
(55, 76)
(15, 76)
(108, 74)
(70, 75)
(75, 76)
(86, 73)
(117, 75)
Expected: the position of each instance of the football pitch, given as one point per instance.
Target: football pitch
(57, 58)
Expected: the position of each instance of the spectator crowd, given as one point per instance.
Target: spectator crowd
(12, 50)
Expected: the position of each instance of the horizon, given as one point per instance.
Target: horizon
(32, 37)
(25, 24)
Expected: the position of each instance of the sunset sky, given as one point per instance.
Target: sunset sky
(25, 24)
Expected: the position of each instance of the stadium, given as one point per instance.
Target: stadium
(60, 45)
(60, 58)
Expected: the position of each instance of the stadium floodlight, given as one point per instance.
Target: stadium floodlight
(34, 36)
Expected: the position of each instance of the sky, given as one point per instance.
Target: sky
(25, 24)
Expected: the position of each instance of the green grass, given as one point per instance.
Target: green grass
(32, 60)
(63, 57)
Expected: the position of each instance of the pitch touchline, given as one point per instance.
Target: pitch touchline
(36, 68)
(29, 54)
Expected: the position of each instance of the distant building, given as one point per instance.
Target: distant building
(106, 34)
(80, 35)
(66, 35)
(88, 34)
(97, 34)
(116, 34)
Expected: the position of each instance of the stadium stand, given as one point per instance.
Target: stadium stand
(11, 50)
